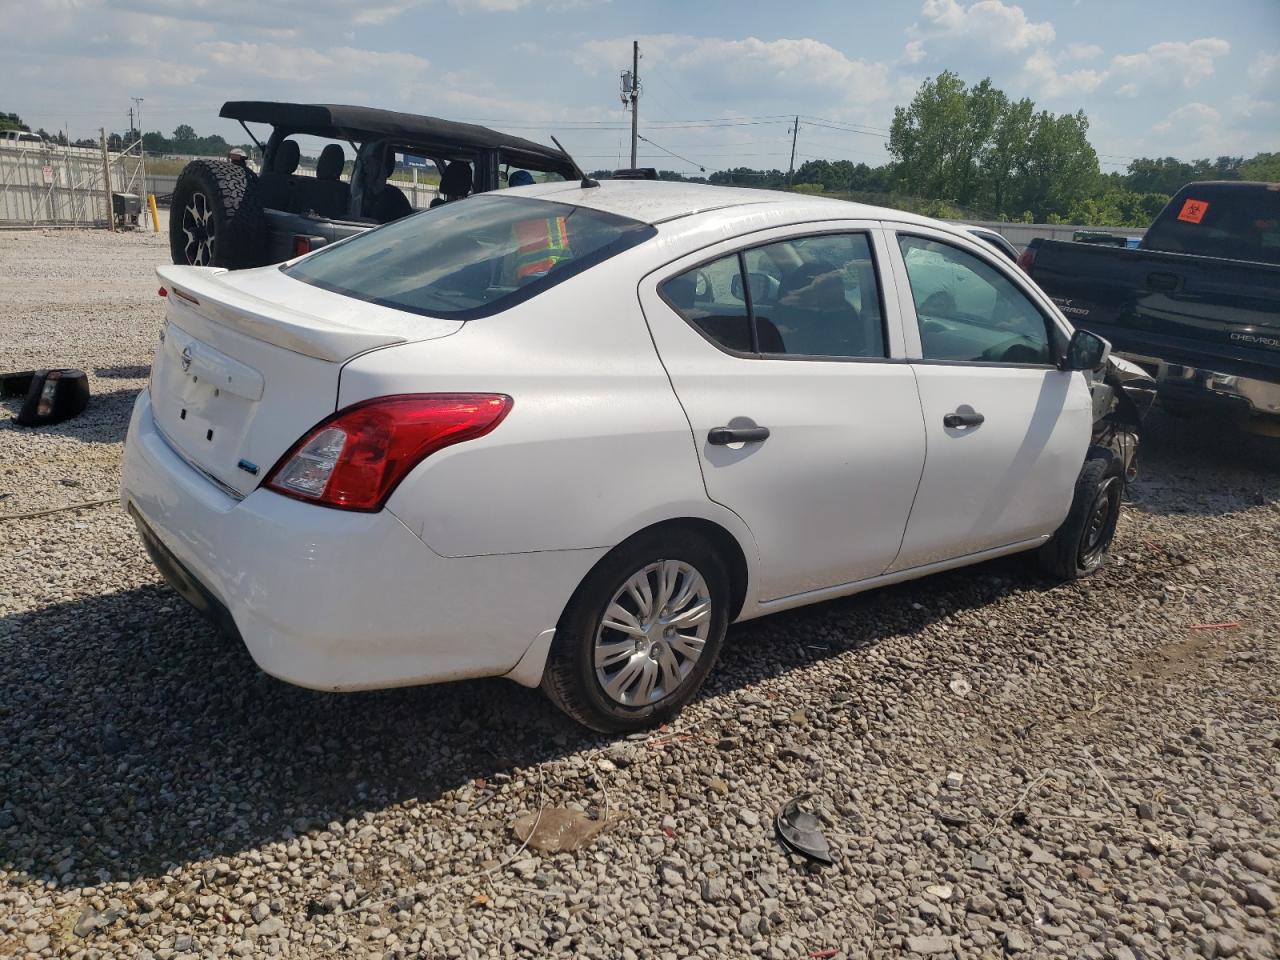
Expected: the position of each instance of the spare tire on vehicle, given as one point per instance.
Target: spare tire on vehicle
(216, 218)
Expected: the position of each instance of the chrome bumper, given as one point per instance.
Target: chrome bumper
(1175, 380)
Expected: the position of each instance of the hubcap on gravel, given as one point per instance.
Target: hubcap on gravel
(201, 230)
(652, 633)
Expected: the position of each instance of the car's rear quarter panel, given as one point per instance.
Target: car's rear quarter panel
(595, 448)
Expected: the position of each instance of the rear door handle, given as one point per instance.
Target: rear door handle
(720, 436)
(1166, 282)
(963, 419)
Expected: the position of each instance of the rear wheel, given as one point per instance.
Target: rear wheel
(640, 634)
(1080, 546)
(216, 219)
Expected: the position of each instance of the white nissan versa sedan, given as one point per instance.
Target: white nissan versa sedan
(566, 434)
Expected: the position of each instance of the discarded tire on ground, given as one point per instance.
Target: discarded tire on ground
(216, 217)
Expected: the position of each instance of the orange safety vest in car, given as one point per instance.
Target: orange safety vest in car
(542, 244)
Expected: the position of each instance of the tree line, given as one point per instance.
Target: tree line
(972, 151)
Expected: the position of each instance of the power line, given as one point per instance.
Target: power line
(676, 155)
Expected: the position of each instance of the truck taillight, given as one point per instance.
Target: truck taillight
(1027, 259)
(301, 244)
(354, 459)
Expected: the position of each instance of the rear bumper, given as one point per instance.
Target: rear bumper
(1205, 387)
(335, 600)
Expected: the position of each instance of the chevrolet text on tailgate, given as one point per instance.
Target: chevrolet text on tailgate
(568, 433)
(1197, 304)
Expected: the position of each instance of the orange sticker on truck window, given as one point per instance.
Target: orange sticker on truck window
(1193, 211)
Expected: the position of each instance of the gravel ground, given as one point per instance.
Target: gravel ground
(1002, 765)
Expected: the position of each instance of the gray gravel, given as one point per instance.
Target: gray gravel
(1105, 782)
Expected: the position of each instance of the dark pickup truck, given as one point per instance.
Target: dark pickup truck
(1197, 304)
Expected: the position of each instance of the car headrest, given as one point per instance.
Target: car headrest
(682, 290)
(456, 179)
(329, 166)
(286, 158)
(801, 276)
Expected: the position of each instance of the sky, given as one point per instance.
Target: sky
(721, 81)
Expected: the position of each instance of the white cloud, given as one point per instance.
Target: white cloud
(1195, 119)
(731, 69)
(1002, 26)
(1172, 61)
(1164, 64)
(1264, 65)
(913, 52)
(277, 62)
(1082, 51)
(1041, 69)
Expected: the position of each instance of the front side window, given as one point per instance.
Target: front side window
(808, 297)
(969, 311)
(471, 258)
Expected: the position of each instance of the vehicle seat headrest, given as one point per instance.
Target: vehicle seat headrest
(455, 182)
(286, 158)
(329, 166)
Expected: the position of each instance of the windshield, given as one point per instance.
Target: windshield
(471, 258)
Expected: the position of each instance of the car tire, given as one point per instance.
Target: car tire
(216, 218)
(618, 681)
(1080, 546)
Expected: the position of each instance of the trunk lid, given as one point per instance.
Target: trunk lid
(249, 361)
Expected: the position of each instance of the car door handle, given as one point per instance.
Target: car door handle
(719, 436)
(1166, 282)
(963, 419)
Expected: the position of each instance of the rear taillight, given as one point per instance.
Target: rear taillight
(1027, 259)
(301, 245)
(354, 459)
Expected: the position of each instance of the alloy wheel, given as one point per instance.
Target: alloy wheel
(200, 228)
(653, 632)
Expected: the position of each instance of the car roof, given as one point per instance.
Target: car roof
(663, 201)
(344, 122)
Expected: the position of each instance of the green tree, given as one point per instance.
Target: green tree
(1263, 166)
(1060, 165)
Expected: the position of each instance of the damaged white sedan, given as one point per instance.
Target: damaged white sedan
(568, 433)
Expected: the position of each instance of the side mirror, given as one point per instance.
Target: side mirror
(763, 287)
(701, 287)
(1085, 351)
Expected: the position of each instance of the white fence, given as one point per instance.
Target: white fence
(48, 185)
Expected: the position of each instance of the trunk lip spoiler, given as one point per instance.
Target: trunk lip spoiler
(203, 292)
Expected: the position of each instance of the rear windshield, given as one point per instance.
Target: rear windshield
(471, 258)
(1234, 223)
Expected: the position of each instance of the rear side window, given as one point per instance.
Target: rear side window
(1216, 220)
(471, 258)
(810, 297)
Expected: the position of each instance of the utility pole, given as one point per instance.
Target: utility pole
(142, 153)
(631, 95)
(635, 97)
(795, 130)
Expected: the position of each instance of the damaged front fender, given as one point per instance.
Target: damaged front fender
(1122, 396)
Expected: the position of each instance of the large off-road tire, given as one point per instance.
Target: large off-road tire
(641, 633)
(216, 218)
(1080, 546)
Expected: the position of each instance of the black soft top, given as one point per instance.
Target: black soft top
(432, 136)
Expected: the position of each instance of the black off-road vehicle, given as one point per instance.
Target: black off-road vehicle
(225, 215)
